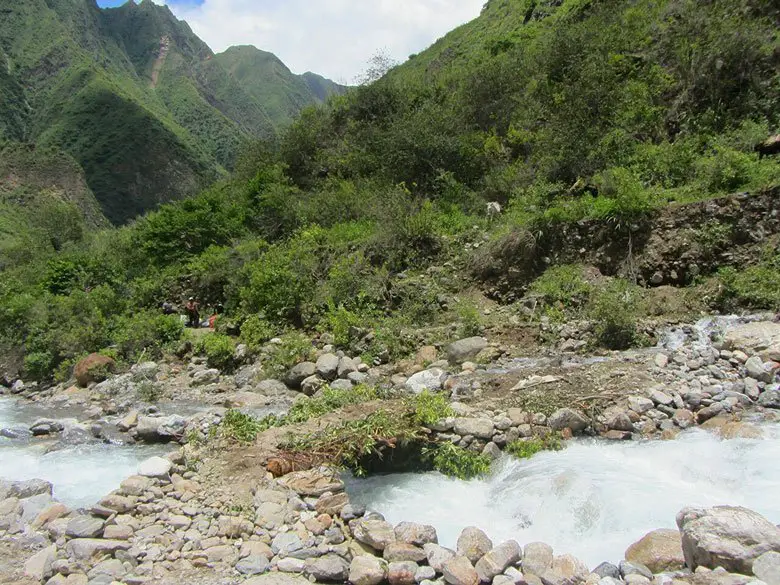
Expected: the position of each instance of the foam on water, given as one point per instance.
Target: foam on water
(81, 474)
(592, 499)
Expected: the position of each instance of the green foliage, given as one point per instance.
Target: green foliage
(562, 285)
(256, 331)
(428, 408)
(328, 400)
(469, 318)
(458, 462)
(243, 427)
(294, 349)
(219, 350)
(754, 287)
(615, 309)
(351, 443)
(526, 448)
(148, 334)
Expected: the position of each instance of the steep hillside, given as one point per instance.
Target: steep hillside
(268, 80)
(133, 95)
(45, 203)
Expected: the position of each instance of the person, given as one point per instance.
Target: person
(193, 314)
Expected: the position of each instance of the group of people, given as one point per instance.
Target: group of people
(192, 312)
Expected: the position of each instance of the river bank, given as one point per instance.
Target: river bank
(212, 510)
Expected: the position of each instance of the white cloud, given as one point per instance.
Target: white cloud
(335, 38)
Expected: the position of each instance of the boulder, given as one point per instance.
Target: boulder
(93, 368)
(327, 366)
(498, 560)
(367, 570)
(328, 568)
(481, 428)
(299, 373)
(416, 534)
(565, 570)
(155, 467)
(346, 367)
(568, 418)
(465, 349)
(660, 551)
(432, 379)
(639, 404)
(82, 549)
(271, 388)
(770, 399)
(24, 489)
(726, 536)
(205, 377)
(313, 482)
(459, 571)
(756, 370)
(374, 532)
(253, 565)
(437, 555)
(160, 429)
(39, 566)
(473, 544)
(761, 337)
(401, 551)
(402, 573)
(537, 558)
(84, 527)
(767, 568)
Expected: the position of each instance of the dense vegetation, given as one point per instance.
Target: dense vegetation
(357, 221)
(139, 101)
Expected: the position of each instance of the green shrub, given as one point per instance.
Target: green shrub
(148, 333)
(523, 449)
(622, 197)
(150, 392)
(340, 321)
(329, 400)
(429, 407)
(562, 285)
(755, 287)
(38, 365)
(219, 350)
(294, 349)
(458, 462)
(255, 331)
(615, 310)
(469, 319)
(243, 427)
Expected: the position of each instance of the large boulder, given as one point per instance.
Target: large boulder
(298, 373)
(465, 349)
(498, 560)
(726, 536)
(416, 534)
(313, 482)
(328, 568)
(432, 379)
(473, 543)
(367, 570)
(568, 418)
(327, 366)
(761, 337)
(767, 568)
(156, 429)
(459, 571)
(374, 532)
(93, 368)
(565, 570)
(537, 558)
(660, 551)
(481, 428)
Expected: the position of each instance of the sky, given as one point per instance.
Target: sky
(335, 38)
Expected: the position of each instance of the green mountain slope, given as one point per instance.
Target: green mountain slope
(271, 83)
(133, 95)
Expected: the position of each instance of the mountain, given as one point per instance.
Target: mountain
(144, 106)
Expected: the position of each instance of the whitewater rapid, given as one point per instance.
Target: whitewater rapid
(81, 474)
(594, 498)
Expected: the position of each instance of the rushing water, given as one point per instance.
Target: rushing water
(81, 474)
(593, 498)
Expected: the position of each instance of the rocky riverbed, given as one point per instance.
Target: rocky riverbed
(182, 519)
